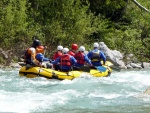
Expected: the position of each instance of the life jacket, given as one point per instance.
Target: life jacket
(80, 57)
(40, 49)
(57, 54)
(95, 56)
(27, 56)
(65, 60)
(72, 53)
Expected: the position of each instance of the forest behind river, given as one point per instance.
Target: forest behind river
(123, 25)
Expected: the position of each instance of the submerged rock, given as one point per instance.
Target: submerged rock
(147, 91)
(15, 65)
(146, 65)
(135, 65)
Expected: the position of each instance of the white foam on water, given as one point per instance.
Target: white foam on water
(125, 88)
(104, 95)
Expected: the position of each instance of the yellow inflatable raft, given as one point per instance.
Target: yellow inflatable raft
(53, 74)
(48, 73)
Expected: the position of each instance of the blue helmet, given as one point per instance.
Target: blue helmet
(39, 57)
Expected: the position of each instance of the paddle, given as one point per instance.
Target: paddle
(87, 68)
(100, 68)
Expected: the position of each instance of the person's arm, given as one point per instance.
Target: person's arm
(46, 59)
(87, 60)
(89, 54)
(56, 61)
(73, 60)
(103, 57)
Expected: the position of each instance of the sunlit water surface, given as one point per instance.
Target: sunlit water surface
(122, 92)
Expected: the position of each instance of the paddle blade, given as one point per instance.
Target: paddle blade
(108, 63)
(101, 68)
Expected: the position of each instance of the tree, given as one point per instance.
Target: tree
(140, 6)
(13, 22)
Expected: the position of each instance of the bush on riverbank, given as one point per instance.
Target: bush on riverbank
(120, 24)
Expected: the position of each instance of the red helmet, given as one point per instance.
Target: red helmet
(74, 46)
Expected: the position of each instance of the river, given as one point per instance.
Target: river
(122, 92)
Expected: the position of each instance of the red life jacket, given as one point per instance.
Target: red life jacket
(65, 60)
(72, 53)
(80, 57)
(57, 54)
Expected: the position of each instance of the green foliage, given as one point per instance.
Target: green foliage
(118, 23)
(13, 22)
(65, 21)
(113, 9)
(140, 21)
(2, 61)
(129, 33)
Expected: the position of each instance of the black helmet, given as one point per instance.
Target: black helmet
(36, 43)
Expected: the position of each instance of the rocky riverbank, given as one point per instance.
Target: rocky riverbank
(11, 65)
(122, 61)
(119, 60)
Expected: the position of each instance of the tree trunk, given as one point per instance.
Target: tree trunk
(140, 6)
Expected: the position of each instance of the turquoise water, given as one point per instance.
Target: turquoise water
(119, 93)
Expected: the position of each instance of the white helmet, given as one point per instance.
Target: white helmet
(65, 50)
(82, 48)
(96, 44)
(59, 48)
